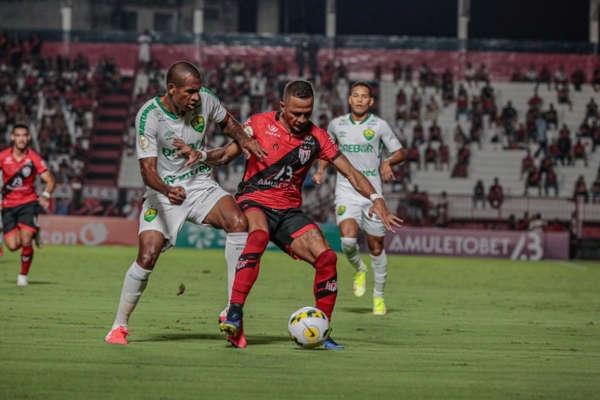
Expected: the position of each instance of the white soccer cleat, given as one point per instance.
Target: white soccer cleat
(22, 280)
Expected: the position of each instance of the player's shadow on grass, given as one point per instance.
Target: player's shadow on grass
(253, 340)
(34, 283)
(362, 310)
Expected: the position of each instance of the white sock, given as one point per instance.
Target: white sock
(350, 249)
(379, 265)
(234, 245)
(136, 279)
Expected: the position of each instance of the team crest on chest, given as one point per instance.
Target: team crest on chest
(369, 133)
(306, 148)
(198, 123)
(304, 154)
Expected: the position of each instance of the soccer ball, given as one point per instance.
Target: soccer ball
(308, 327)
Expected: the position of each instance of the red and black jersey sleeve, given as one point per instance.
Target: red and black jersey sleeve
(329, 150)
(38, 163)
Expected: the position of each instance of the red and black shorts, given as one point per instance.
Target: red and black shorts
(284, 225)
(20, 217)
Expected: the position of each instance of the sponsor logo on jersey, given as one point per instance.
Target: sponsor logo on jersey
(369, 133)
(199, 169)
(357, 148)
(272, 130)
(370, 172)
(341, 210)
(198, 123)
(249, 131)
(150, 214)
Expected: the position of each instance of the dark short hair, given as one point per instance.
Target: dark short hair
(177, 72)
(298, 88)
(363, 84)
(19, 126)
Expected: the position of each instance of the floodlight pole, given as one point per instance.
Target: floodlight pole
(67, 24)
(198, 29)
(464, 15)
(330, 26)
(593, 37)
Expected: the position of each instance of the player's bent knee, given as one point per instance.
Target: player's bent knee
(148, 258)
(327, 259)
(237, 222)
(348, 243)
(377, 251)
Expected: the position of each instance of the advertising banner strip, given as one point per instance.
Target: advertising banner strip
(521, 245)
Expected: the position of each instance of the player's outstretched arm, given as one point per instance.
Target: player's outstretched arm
(249, 145)
(223, 155)
(176, 194)
(50, 182)
(364, 187)
(319, 176)
(385, 169)
(215, 157)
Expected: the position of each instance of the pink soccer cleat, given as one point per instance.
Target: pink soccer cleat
(117, 335)
(239, 339)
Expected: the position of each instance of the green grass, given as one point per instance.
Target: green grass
(457, 328)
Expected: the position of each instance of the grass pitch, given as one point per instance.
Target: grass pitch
(456, 329)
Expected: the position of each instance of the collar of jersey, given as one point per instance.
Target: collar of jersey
(162, 107)
(361, 122)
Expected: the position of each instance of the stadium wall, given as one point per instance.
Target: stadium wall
(500, 64)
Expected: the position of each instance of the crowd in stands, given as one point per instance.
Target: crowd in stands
(58, 97)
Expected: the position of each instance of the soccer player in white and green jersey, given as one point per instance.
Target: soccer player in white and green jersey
(179, 189)
(361, 137)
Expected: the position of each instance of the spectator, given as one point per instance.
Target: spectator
(596, 79)
(430, 156)
(550, 181)
(509, 114)
(441, 211)
(578, 79)
(462, 103)
(579, 153)
(523, 223)
(533, 180)
(413, 155)
(596, 190)
(551, 117)
(511, 222)
(478, 194)
(554, 151)
(564, 146)
(563, 96)
(527, 163)
(591, 109)
(144, 54)
(536, 224)
(444, 156)
(595, 137)
(435, 133)
(580, 190)
(541, 135)
(496, 194)
(418, 134)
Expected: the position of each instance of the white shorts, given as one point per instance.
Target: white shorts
(358, 209)
(168, 219)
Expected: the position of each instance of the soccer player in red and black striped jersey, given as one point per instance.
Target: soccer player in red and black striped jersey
(270, 196)
(20, 165)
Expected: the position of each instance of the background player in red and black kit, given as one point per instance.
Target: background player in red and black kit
(19, 165)
(270, 196)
